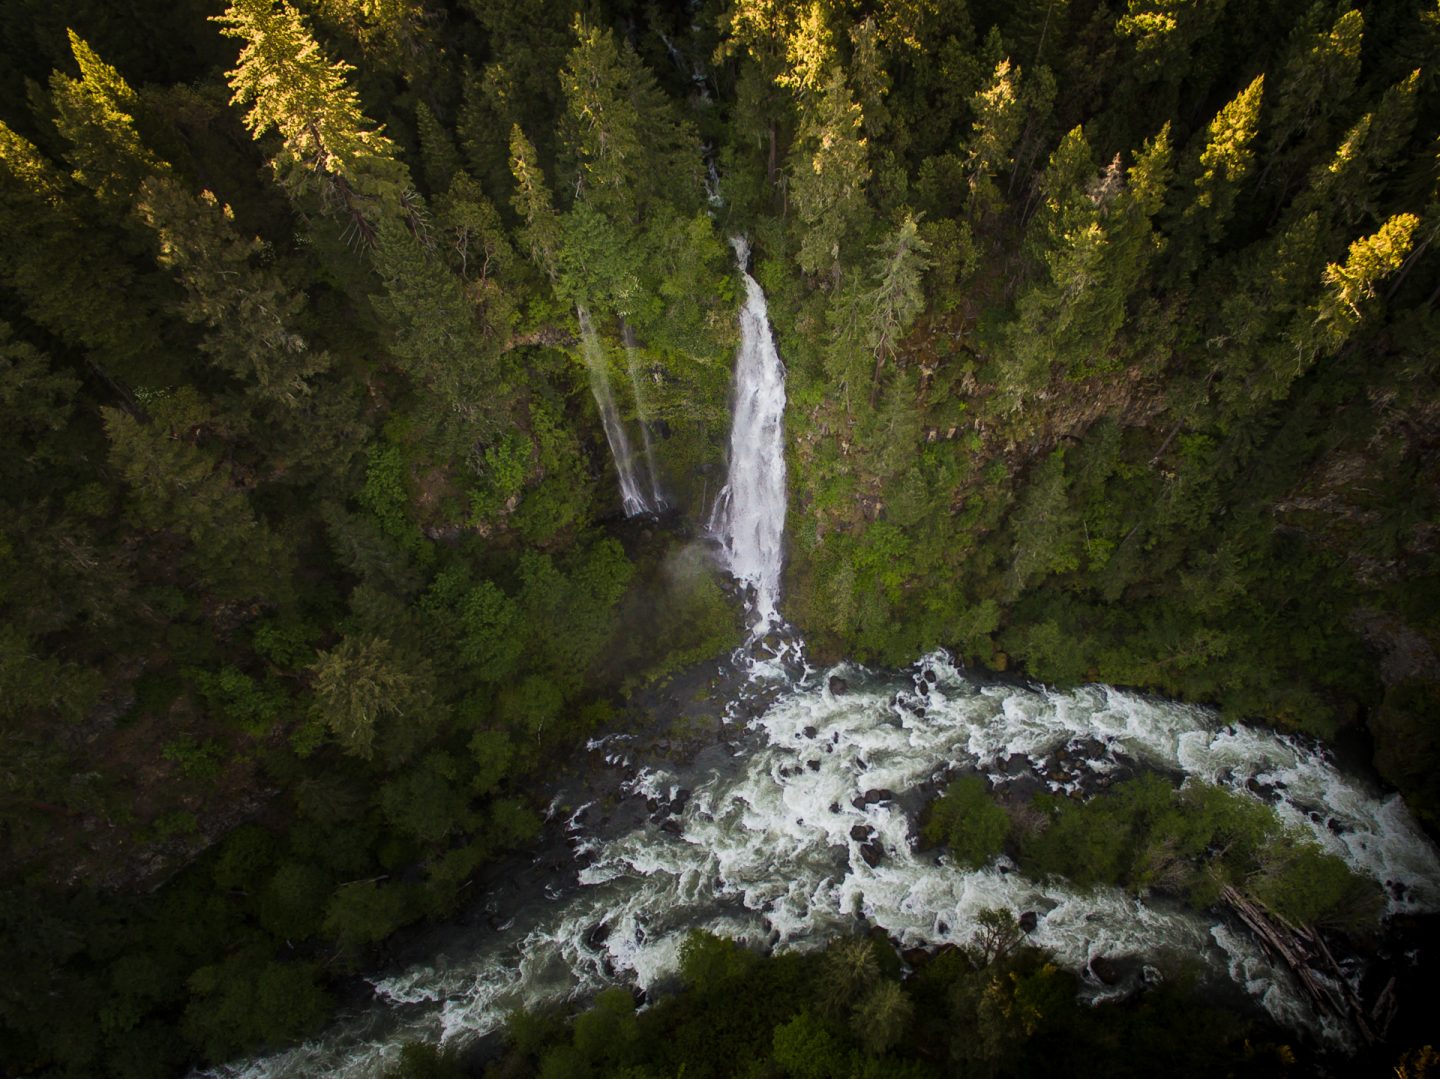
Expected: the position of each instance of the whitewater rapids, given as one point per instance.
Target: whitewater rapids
(762, 850)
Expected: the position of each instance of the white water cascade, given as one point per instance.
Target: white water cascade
(632, 494)
(770, 844)
(642, 410)
(749, 514)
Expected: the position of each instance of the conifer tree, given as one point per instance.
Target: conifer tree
(999, 116)
(96, 115)
(292, 88)
(1370, 260)
(439, 161)
(249, 312)
(1346, 188)
(1223, 165)
(437, 339)
(533, 202)
(1318, 76)
(1097, 241)
(364, 680)
(71, 273)
(829, 170)
(179, 485)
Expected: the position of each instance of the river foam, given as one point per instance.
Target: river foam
(765, 849)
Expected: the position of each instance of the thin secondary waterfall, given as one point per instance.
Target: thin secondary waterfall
(749, 514)
(642, 411)
(632, 494)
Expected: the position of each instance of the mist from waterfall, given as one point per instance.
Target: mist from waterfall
(749, 514)
(642, 412)
(632, 493)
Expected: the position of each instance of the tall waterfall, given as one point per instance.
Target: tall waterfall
(642, 410)
(749, 514)
(632, 494)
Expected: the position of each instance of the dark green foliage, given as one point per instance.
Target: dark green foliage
(968, 822)
(1110, 347)
(1013, 1014)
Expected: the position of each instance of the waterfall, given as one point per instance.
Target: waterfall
(642, 410)
(632, 495)
(749, 514)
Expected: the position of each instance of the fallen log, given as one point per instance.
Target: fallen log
(1296, 948)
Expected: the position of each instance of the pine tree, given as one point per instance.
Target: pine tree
(1370, 260)
(248, 310)
(179, 485)
(1346, 188)
(533, 202)
(96, 115)
(1223, 166)
(1317, 78)
(828, 172)
(630, 150)
(999, 117)
(71, 274)
(439, 161)
(364, 680)
(1096, 240)
(291, 87)
(438, 341)
(885, 312)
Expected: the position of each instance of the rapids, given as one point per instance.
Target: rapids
(756, 837)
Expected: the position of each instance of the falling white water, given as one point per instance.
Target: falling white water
(642, 410)
(766, 850)
(749, 514)
(632, 495)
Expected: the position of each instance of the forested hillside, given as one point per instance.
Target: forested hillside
(1112, 356)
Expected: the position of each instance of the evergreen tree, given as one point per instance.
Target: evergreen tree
(1223, 165)
(1370, 260)
(96, 115)
(829, 170)
(179, 486)
(533, 202)
(1347, 188)
(364, 680)
(248, 310)
(71, 273)
(292, 88)
(999, 116)
(437, 339)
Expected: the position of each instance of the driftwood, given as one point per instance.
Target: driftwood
(1298, 948)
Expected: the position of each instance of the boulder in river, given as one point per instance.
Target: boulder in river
(598, 934)
(862, 833)
(1028, 921)
(875, 797)
(838, 685)
(872, 852)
